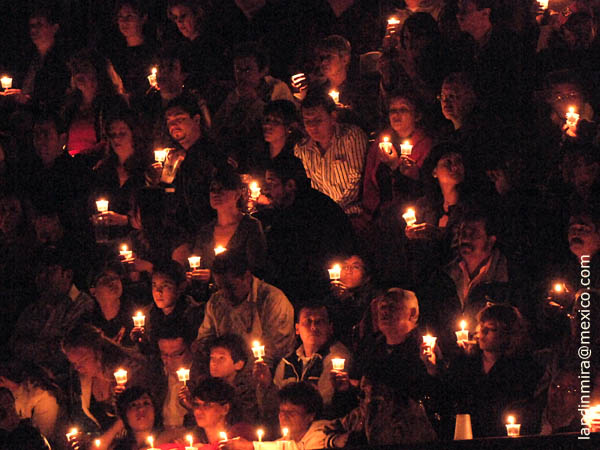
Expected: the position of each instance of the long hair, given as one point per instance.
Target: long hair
(512, 326)
(140, 159)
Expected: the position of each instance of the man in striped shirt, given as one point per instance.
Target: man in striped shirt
(334, 153)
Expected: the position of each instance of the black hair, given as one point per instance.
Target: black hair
(237, 346)
(216, 390)
(318, 98)
(302, 394)
(477, 212)
(49, 9)
(138, 6)
(45, 116)
(132, 394)
(283, 109)
(230, 261)
(185, 102)
(228, 178)
(313, 305)
(110, 265)
(171, 269)
(252, 50)
(289, 168)
(169, 330)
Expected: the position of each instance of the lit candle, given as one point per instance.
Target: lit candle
(190, 440)
(152, 77)
(219, 249)
(409, 217)
(285, 431)
(543, 4)
(338, 364)
(139, 319)
(386, 145)
(258, 350)
(254, 190)
(160, 155)
(429, 342)
(406, 148)
(97, 443)
(102, 205)
(335, 272)
(297, 78)
(194, 262)
(260, 433)
(121, 376)
(151, 442)
(572, 119)
(125, 253)
(72, 433)
(591, 417)
(223, 435)
(335, 95)
(392, 21)
(559, 288)
(512, 429)
(183, 375)
(6, 82)
(462, 335)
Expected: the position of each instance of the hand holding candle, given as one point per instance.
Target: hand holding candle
(335, 95)
(409, 217)
(183, 375)
(152, 78)
(121, 377)
(125, 253)
(258, 350)
(222, 435)
(512, 429)
(406, 148)
(102, 205)
(71, 434)
(194, 262)
(571, 123)
(429, 342)
(254, 190)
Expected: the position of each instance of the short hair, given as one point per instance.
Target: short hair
(410, 95)
(232, 262)
(49, 9)
(171, 269)
(185, 102)
(43, 117)
(283, 109)
(476, 212)
(421, 24)
(289, 168)
(84, 335)
(138, 6)
(464, 79)
(200, 7)
(312, 305)
(511, 323)
(103, 267)
(402, 296)
(169, 331)
(252, 50)
(237, 346)
(335, 43)
(302, 394)
(318, 98)
(228, 178)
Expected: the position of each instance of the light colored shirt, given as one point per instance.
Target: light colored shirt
(338, 172)
(173, 413)
(40, 406)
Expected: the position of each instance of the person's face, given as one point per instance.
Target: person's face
(469, 18)
(11, 214)
(85, 79)
(246, 71)
(221, 198)
(274, 130)
(130, 22)
(209, 414)
(564, 96)
(314, 327)
(54, 279)
(140, 414)
(274, 189)
(108, 288)
(174, 354)
(121, 137)
(585, 175)
(181, 125)
(490, 336)
(222, 364)
(48, 229)
(294, 418)
(46, 142)
(318, 124)
(332, 63)
(41, 31)
(170, 77)
(393, 316)
(236, 289)
(164, 291)
(353, 273)
(473, 240)
(450, 169)
(186, 21)
(563, 397)
(84, 360)
(584, 237)
(457, 101)
(402, 117)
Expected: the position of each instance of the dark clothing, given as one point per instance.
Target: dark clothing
(122, 321)
(134, 64)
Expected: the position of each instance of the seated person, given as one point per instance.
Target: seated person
(310, 362)
(496, 375)
(216, 411)
(249, 307)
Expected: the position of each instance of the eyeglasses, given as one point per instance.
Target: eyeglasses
(563, 97)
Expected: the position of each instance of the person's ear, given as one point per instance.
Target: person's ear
(226, 407)
(239, 365)
(297, 329)
(413, 315)
(198, 119)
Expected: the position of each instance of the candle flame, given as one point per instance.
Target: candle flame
(285, 431)
(154, 70)
(124, 248)
(223, 435)
(256, 344)
(386, 139)
(558, 287)
(572, 109)
(219, 249)
(190, 439)
(393, 21)
(407, 142)
(260, 433)
(139, 314)
(463, 324)
(151, 441)
(97, 442)
(511, 420)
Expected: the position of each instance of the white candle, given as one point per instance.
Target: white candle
(6, 82)
(386, 145)
(297, 78)
(335, 95)
(409, 217)
(97, 443)
(285, 431)
(125, 253)
(543, 4)
(183, 375)
(254, 190)
(338, 364)
(102, 205)
(512, 429)
(258, 350)
(335, 272)
(160, 155)
(591, 418)
(223, 435)
(72, 433)
(406, 148)
(219, 249)
(121, 376)
(152, 77)
(139, 319)
(572, 119)
(462, 335)
(194, 262)
(392, 21)
(429, 342)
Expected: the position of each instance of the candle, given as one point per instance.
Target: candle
(462, 335)
(543, 4)
(285, 431)
(386, 145)
(559, 288)
(121, 376)
(125, 253)
(151, 442)
(160, 155)
(335, 95)
(72, 433)
(409, 217)
(195, 262)
(335, 272)
(512, 429)
(219, 249)
(392, 21)
(102, 205)
(406, 148)
(338, 364)
(258, 350)
(297, 78)
(152, 77)
(97, 443)
(591, 417)
(183, 375)
(429, 342)
(260, 433)
(223, 435)
(572, 119)
(139, 319)
(190, 440)
(6, 82)
(254, 190)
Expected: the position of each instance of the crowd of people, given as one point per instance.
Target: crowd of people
(332, 223)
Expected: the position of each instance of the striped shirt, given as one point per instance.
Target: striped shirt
(337, 173)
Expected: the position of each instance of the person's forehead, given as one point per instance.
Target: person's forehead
(39, 20)
(315, 111)
(272, 176)
(245, 61)
(399, 102)
(171, 345)
(162, 277)
(314, 313)
(288, 406)
(581, 219)
(354, 259)
(176, 111)
(220, 351)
